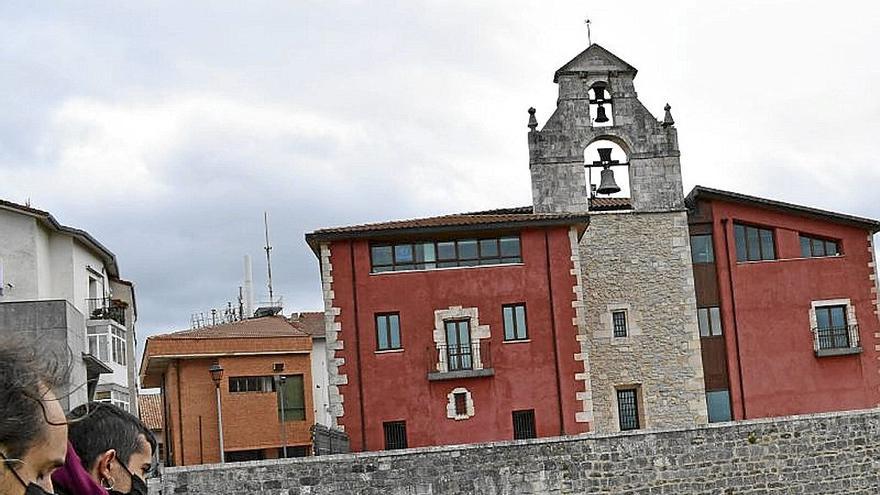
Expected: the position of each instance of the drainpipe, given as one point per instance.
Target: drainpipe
(742, 392)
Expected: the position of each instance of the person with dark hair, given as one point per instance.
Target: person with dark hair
(33, 430)
(110, 451)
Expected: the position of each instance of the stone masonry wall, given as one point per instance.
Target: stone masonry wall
(640, 263)
(822, 454)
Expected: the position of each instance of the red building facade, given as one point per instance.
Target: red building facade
(787, 297)
(475, 341)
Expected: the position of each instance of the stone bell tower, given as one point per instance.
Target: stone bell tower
(638, 321)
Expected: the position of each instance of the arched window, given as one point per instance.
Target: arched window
(607, 168)
(601, 114)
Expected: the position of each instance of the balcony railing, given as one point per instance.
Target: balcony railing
(104, 308)
(834, 341)
(459, 361)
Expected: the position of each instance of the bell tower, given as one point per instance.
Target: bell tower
(636, 307)
(598, 111)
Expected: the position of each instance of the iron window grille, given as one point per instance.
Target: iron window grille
(515, 327)
(618, 319)
(395, 435)
(814, 247)
(524, 424)
(754, 243)
(701, 249)
(445, 254)
(628, 409)
(460, 403)
(709, 321)
(388, 331)
(833, 331)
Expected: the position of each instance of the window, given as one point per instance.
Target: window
(458, 345)
(388, 331)
(628, 409)
(291, 398)
(515, 322)
(118, 399)
(753, 243)
(812, 247)
(832, 331)
(524, 424)
(239, 384)
(395, 435)
(107, 343)
(718, 404)
(460, 399)
(445, 254)
(709, 320)
(701, 249)
(294, 451)
(244, 455)
(618, 319)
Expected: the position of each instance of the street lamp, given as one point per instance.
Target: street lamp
(217, 375)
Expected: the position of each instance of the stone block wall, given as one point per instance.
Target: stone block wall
(640, 263)
(823, 454)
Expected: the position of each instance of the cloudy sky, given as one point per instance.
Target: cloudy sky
(165, 129)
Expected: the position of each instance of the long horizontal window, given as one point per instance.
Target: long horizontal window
(812, 247)
(444, 254)
(251, 384)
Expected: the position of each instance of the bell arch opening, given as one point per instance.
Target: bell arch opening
(601, 106)
(606, 165)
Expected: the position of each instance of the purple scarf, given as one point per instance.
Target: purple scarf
(73, 479)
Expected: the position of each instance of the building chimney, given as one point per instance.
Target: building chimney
(248, 287)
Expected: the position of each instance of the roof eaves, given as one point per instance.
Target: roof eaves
(701, 192)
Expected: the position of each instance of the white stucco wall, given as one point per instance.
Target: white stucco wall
(320, 382)
(18, 254)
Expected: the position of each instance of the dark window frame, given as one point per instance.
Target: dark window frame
(414, 264)
(628, 411)
(524, 424)
(711, 253)
(395, 435)
(619, 331)
(388, 328)
(463, 355)
(460, 402)
(710, 329)
(251, 384)
(813, 252)
(746, 255)
(835, 337)
(515, 330)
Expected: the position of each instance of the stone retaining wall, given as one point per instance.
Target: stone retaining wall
(822, 454)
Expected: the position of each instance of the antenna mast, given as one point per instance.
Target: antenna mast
(268, 249)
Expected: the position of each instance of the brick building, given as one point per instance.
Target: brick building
(266, 376)
(581, 312)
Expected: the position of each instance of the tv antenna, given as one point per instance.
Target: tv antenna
(268, 249)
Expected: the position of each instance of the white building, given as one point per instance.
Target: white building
(313, 324)
(59, 284)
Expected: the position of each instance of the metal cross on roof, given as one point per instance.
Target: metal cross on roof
(589, 37)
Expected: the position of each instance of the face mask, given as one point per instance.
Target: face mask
(138, 486)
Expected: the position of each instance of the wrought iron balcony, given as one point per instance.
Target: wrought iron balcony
(104, 308)
(836, 341)
(447, 362)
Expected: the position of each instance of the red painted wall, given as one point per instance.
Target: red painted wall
(780, 373)
(395, 385)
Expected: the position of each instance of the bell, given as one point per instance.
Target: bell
(600, 115)
(607, 185)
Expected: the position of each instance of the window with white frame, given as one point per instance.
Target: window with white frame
(835, 330)
(118, 399)
(107, 343)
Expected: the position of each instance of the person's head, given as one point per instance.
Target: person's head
(33, 429)
(114, 446)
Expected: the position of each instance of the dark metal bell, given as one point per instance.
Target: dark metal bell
(607, 185)
(600, 115)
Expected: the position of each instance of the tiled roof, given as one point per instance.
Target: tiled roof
(700, 192)
(608, 204)
(268, 326)
(311, 322)
(150, 410)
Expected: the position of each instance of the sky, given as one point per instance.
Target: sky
(166, 129)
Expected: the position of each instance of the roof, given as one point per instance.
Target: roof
(594, 59)
(504, 218)
(150, 410)
(706, 193)
(81, 235)
(311, 322)
(267, 326)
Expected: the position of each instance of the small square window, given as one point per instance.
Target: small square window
(709, 321)
(524, 424)
(388, 331)
(395, 435)
(701, 249)
(619, 320)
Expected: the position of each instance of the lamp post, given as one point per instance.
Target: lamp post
(281, 381)
(217, 375)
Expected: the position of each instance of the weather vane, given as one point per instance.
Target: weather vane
(589, 37)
